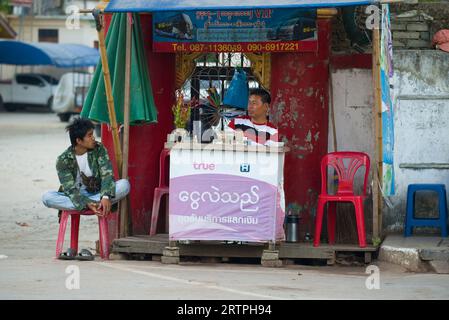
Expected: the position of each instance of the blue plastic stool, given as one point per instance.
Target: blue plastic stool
(411, 221)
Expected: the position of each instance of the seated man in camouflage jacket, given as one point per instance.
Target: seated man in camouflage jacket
(85, 173)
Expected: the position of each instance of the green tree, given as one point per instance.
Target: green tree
(5, 6)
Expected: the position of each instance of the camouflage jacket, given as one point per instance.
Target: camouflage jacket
(100, 166)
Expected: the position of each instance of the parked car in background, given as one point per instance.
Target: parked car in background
(27, 89)
(70, 94)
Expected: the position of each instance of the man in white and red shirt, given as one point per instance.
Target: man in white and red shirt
(256, 126)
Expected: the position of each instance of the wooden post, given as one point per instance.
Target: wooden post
(124, 217)
(108, 88)
(332, 110)
(377, 119)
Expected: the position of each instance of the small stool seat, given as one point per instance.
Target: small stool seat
(411, 221)
(75, 222)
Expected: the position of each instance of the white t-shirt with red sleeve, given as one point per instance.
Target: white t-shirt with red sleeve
(264, 133)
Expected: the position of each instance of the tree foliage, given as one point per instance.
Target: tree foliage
(5, 6)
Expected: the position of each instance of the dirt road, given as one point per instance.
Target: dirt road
(29, 145)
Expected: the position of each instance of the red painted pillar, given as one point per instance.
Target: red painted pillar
(299, 88)
(147, 141)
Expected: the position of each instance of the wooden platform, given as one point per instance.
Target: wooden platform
(155, 245)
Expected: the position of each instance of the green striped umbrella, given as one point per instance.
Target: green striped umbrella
(143, 109)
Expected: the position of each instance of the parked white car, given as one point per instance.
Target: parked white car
(70, 94)
(27, 89)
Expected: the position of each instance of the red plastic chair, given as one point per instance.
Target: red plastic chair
(75, 223)
(345, 192)
(161, 190)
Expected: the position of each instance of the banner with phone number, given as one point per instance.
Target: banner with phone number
(253, 30)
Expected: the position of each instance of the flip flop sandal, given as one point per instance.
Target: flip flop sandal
(85, 255)
(69, 255)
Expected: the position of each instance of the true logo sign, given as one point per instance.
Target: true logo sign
(245, 168)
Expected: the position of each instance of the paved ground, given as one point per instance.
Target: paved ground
(420, 252)
(29, 144)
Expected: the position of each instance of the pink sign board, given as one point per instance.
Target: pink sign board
(224, 207)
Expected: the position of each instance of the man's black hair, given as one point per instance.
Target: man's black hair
(262, 93)
(78, 129)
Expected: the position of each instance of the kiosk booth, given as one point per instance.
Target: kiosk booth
(226, 193)
(295, 72)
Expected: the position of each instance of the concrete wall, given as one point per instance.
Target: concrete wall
(437, 9)
(352, 103)
(28, 29)
(421, 105)
(412, 31)
(421, 91)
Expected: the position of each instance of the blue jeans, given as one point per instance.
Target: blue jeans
(57, 200)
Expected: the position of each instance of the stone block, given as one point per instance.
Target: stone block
(404, 19)
(425, 17)
(399, 44)
(417, 27)
(171, 252)
(270, 255)
(411, 15)
(398, 27)
(271, 263)
(405, 35)
(439, 266)
(407, 257)
(434, 254)
(170, 260)
(424, 36)
(418, 43)
(270, 259)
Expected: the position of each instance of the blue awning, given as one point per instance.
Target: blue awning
(188, 5)
(55, 54)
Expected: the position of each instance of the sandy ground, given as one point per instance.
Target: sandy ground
(29, 145)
